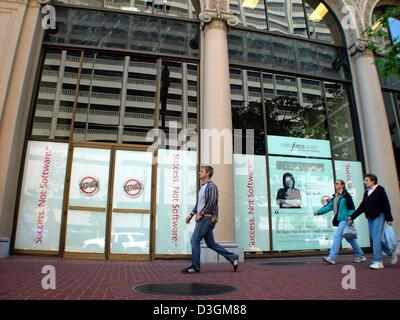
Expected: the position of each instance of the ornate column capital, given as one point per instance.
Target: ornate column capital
(360, 48)
(218, 11)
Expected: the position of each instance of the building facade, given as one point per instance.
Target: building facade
(108, 107)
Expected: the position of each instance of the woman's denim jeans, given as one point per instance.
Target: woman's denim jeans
(375, 232)
(337, 241)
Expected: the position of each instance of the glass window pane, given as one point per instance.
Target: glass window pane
(125, 31)
(253, 14)
(89, 178)
(340, 124)
(130, 233)
(247, 114)
(176, 8)
(313, 117)
(56, 96)
(89, 3)
(171, 101)
(284, 53)
(99, 101)
(132, 180)
(268, 85)
(85, 231)
(258, 49)
(321, 23)
(178, 104)
(235, 45)
(392, 111)
(89, 189)
(287, 17)
(41, 196)
(140, 101)
(129, 5)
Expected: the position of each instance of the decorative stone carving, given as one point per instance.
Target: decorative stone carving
(359, 47)
(217, 10)
(217, 5)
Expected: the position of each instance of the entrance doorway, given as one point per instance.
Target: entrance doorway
(109, 203)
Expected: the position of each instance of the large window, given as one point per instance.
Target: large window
(293, 107)
(107, 97)
(391, 85)
(292, 135)
(302, 18)
(175, 8)
(392, 102)
(149, 34)
(278, 52)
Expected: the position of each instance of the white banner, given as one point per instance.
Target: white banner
(40, 206)
(251, 202)
(176, 197)
(351, 173)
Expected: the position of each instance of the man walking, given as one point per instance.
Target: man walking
(206, 212)
(376, 206)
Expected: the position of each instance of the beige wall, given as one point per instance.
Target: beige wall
(20, 29)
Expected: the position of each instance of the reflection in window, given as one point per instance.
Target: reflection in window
(392, 102)
(178, 104)
(124, 31)
(140, 100)
(387, 40)
(176, 8)
(56, 96)
(99, 99)
(246, 102)
(89, 3)
(321, 22)
(281, 53)
(116, 98)
(253, 13)
(287, 17)
(340, 124)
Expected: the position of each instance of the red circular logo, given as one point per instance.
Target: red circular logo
(133, 188)
(89, 186)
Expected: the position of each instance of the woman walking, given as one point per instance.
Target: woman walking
(342, 205)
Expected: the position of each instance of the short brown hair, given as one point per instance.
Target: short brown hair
(372, 177)
(209, 170)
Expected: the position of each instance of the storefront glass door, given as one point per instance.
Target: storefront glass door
(109, 204)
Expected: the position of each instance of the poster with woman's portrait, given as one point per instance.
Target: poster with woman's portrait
(299, 186)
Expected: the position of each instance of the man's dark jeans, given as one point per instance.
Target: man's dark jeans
(204, 229)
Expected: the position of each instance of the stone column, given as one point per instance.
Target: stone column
(20, 29)
(216, 119)
(378, 143)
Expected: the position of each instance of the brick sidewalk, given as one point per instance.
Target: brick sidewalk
(20, 278)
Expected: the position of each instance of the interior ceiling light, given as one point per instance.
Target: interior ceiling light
(319, 13)
(252, 4)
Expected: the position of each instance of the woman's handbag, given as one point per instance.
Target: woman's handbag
(390, 237)
(350, 232)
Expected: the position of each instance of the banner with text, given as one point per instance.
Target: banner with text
(176, 197)
(351, 173)
(251, 202)
(289, 146)
(41, 201)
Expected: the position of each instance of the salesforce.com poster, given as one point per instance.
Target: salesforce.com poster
(299, 186)
(176, 197)
(40, 206)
